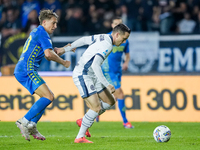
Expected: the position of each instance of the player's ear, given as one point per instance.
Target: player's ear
(117, 34)
(44, 22)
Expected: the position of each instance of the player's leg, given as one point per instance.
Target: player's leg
(87, 90)
(121, 103)
(107, 100)
(46, 97)
(119, 95)
(36, 111)
(33, 83)
(109, 76)
(79, 122)
(97, 118)
(94, 104)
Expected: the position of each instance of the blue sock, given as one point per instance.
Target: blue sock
(122, 108)
(37, 118)
(37, 108)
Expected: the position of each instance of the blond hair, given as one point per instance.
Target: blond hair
(46, 15)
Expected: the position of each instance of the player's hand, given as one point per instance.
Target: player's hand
(73, 50)
(125, 66)
(67, 63)
(69, 48)
(111, 88)
(59, 51)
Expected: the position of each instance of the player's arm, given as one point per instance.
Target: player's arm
(60, 51)
(96, 66)
(127, 59)
(127, 56)
(86, 40)
(46, 45)
(51, 55)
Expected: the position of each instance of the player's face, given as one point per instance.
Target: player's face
(120, 38)
(116, 22)
(50, 25)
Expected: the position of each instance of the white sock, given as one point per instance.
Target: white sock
(25, 121)
(32, 124)
(87, 122)
(104, 106)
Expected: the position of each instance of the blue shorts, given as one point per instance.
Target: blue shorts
(31, 81)
(113, 78)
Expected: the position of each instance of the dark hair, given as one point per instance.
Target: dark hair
(122, 28)
(46, 14)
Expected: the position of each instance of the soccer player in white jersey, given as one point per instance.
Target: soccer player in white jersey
(89, 78)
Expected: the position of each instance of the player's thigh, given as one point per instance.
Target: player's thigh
(104, 93)
(106, 97)
(93, 102)
(44, 91)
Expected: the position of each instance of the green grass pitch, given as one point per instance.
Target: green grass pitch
(105, 135)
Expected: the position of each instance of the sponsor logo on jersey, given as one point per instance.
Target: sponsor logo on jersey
(105, 52)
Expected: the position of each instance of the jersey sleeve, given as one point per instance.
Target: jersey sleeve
(45, 41)
(126, 50)
(86, 40)
(96, 66)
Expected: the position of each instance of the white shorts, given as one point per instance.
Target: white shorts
(87, 84)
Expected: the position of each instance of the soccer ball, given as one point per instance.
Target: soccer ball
(162, 134)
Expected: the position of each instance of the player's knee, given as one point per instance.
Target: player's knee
(97, 108)
(51, 97)
(119, 94)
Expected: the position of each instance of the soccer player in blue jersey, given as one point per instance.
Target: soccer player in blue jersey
(112, 70)
(37, 46)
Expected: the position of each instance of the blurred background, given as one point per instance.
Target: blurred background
(162, 80)
(164, 39)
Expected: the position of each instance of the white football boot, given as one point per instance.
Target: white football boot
(34, 132)
(23, 128)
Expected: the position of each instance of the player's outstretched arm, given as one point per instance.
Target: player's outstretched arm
(86, 40)
(60, 51)
(51, 55)
(72, 47)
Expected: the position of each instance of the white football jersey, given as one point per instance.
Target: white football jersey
(101, 45)
(87, 74)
